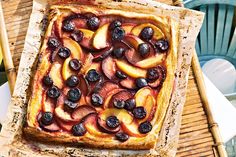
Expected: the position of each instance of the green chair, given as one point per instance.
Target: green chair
(217, 38)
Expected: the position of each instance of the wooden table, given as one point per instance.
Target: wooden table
(195, 136)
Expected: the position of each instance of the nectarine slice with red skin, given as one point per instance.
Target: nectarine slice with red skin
(76, 50)
(128, 27)
(47, 104)
(65, 126)
(158, 34)
(151, 62)
(130, 70)
(66, 71)
(123, 115)
(103, 54)
(109, 68)
(100, 40)
(82, 111)
(109, 96)
(141, 95)
(50, 128)
(87, 39)
(128, 83)
(122, 95)
(133, 41)
(106, 88)
(84, 85)
(132, 129)
(90, 123)
(150, 106)
(104, 128)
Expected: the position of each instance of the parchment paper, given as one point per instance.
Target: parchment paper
(12, 143)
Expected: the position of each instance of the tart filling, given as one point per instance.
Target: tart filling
(101, 76)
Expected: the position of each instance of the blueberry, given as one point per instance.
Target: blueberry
(68, 26)
(147, 33)
(64, 52)
(114, 24)
(162, 45)
(144, 49)
(141, 82)
(96, 99)
(118, 34)
(69, 105)
(74, 94)
(119, 104)
(53, 92)
(145, 127)
(139, 112)
(93, 23)
(130, 104)
(75, 64)
(79, 129)
(72, 81)
(93, 75)
(112, 122)
(121, 136)
(53, 43)
(77, 36)
(120, 75)
(47, 81)
(47, 118)
(153, 74)
(118, 52)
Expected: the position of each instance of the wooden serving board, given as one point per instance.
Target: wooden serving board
(195, 136)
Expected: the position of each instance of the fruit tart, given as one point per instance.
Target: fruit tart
(104, 78)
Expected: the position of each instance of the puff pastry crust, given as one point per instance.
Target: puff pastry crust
(154, 98)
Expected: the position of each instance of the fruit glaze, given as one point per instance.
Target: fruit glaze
(103, 75)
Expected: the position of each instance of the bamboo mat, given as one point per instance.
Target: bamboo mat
(195, 136)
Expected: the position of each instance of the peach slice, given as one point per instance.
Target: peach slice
(130, 70)
(87, 38)
(82, 111)
(90, 123)
(122, 95)
(106, 88)
(48, 105)
(151, 61)
(150, 106)
(128, 83)
(104, 128)
(133, 41)
(109, 96)
(100, 37)
(132, 129)
(141, 96)
(87, 63)
(109, 67)
(76, 51)
(121, 114)
(128, 27)
(158, 34)
(55, 74)
(66, 71)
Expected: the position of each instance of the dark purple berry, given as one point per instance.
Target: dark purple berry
(144, 49)
(118, 52)
(53, 92)
(93, 75)
(119, 104)
(153, 74)
(75, 64)
(120, 75)
(69, 105)
(147, 33)
(74, 94)
(96, 100)
(79, 129)
(93, 23)
(139, 112)
(72, 81)
(162, 45)
(141, 82)
(47, 118)
(47, 81)
(122, 136)
(130, 104)
(77, 36)
(68, 26)
(114, 24)
(64, 52)
(117, 34)
(53, 43)
(112, 122)
(145, 127)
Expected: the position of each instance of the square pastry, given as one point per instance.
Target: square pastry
(104, 78)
